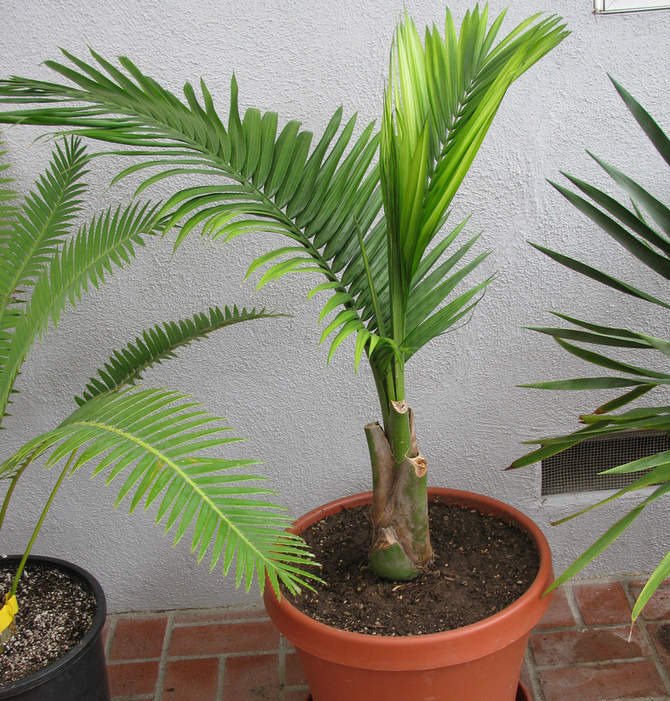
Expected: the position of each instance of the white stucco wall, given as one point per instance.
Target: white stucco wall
(303, 59)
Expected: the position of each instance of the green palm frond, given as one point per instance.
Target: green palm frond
(8, 197)
(325, 198)
(44, 218)
(31, 229)
(8, 209)
(151, 441)
(319, 200)
(106, 243)
(650, 246)
(441, 99)
(159, 343)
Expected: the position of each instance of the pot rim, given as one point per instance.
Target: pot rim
(459, 645)
(41, 676)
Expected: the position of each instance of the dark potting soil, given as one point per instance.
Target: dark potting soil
(56, 610)
(482, 564)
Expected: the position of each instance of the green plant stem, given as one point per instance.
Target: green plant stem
(29, 547)
(12, 486)
(400, 541)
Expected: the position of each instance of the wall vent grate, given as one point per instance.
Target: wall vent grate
(576, 469)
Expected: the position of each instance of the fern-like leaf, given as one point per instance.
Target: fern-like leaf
(39, 225)
(159, 343)
(106, 243)
(150, 441)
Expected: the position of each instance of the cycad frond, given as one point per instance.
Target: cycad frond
(8, 197)
(106, 243)
(39, 225)
(150, 440)
(8, 209)
(32, 229)
(160, 343)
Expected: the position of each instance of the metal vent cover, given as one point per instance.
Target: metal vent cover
(576, 469)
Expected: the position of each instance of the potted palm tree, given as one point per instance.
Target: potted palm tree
(367, 212)
(643, 230)
(153, 441)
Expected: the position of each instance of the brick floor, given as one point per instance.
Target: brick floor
(579, 651)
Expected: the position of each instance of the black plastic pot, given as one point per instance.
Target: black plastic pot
(81, 674)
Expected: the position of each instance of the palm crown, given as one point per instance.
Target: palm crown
(370, 227)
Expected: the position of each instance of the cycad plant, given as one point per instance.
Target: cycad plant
(160, 446)
(642, 228)
(364, 211)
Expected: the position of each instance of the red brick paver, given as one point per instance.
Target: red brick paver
(187, 680)
(132, 678)
(578, 652)
(573, 646)
(223, 638)
(602, 603)
(623, 680)
(138, 638)
(559, 613)
(252, 677)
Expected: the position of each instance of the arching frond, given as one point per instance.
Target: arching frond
(150, 443)
(8, 209)
(105, 244)
(44, 217)
(160, 343)
(649, 245)
(32, 228)
(326, 198)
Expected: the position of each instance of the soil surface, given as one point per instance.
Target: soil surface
(56, 610)
(482, 564)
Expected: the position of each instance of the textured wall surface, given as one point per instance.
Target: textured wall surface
(303, 59)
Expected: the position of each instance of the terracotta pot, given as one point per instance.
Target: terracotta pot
(478, 662)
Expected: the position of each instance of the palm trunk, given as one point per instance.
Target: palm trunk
(400, 539)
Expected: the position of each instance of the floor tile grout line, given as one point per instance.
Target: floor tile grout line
(536, 687)
(596, 627)
(200, 656)
(594, 663)
(574, 606)
(162, 665)
(211, 655)
(204, 624)
(655, 655)
(221, 678)
(132, 660)
(281, 666)
(111, 632)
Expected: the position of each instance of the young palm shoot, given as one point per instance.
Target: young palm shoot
(370, 228)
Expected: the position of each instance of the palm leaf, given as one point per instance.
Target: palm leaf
(38, 227)
(106, 243)
(651, 248)
(159, 343)
(322, 200)
(150, 441)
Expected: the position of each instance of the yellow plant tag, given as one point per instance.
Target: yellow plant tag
(8, 611)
